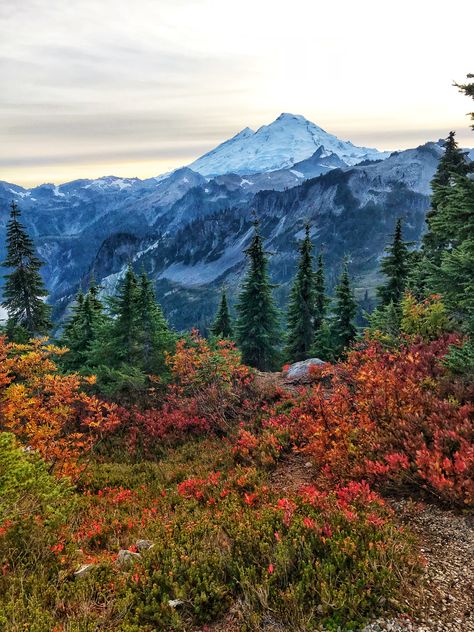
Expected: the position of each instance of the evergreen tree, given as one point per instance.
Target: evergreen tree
(93, 294)
(342, 326)
(222, 326)
(125, 331)
(395, 267)
(324, 347)
(453, 222)
(452, 164)
(452, 273)
(24, 288)
(301, 309)
(258, 329)
(365, 309)
(386, 319)
(468, 89)
(454, 277)
(72, 335)
(92, 314)
(320, 298)
(418, 274)
(82, 328)
(155, 337)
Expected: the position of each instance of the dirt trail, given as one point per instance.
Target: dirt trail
(447, 542)
(291, 474)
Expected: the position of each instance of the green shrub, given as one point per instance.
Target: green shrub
(27, 489)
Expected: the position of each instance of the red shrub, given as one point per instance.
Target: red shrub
(383, 419)
(210, 390)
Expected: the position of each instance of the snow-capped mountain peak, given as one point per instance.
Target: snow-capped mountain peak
(245, 133)
(289, 139)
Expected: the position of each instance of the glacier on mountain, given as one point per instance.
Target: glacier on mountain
(289, 139)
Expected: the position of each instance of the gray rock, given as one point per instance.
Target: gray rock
(301, 369)
(144, 545)
(126, 557)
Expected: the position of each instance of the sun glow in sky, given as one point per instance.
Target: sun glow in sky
(92, 88)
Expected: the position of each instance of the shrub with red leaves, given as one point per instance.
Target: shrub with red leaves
(386, 420)
(210, 390)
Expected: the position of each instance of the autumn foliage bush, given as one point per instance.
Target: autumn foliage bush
(49, 413)
(220, 534)
(387, 419)
(210, 389)
(312, 557)
(211, 380)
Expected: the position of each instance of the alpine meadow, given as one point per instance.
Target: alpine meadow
(236, 396)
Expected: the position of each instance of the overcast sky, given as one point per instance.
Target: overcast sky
(137, 87)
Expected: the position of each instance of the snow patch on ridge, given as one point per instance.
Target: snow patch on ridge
(20, 193)
(298, 174)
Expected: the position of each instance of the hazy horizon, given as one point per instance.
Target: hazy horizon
(91, 89)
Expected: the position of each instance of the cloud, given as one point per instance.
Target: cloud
(175, 150)
(118, 81)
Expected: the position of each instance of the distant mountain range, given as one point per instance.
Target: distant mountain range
(188, 228)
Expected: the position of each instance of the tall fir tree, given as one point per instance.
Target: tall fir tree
(92, 314)
(453, 277)
(324, 346)
(447, 256)
(453, 221)
(418, 274)
(395, 268)
(222, 325)
(452, 164)
(155, 338)
(24, 288)
(125, 332)
(455, 274)
(258, 328)
(93, 293)
(320, 299)
(345, 309)
(301, 308)
(72, 335)
(82, 328)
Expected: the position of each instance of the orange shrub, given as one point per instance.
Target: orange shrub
(47, 411)
(212, 379)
